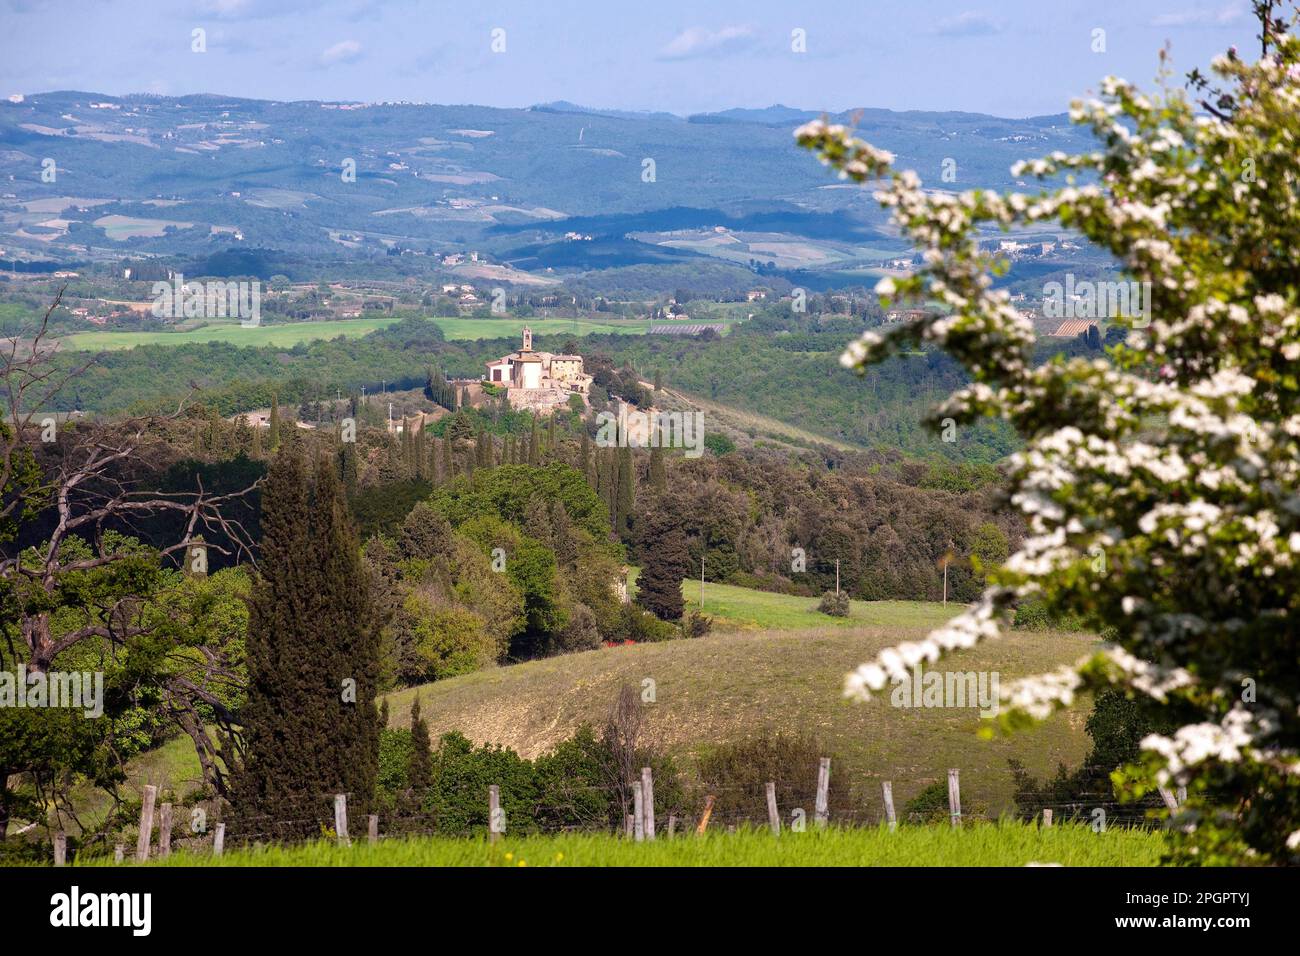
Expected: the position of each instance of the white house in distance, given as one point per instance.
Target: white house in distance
(538, 380)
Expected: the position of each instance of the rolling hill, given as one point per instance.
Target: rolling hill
(782, 675)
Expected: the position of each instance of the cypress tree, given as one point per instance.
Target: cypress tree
(351, 479)
(421, 457)
(588, 461)
(666, 563)
(659, 379)
(419, 766)
(626, 491)
(348, 629)
(256, 453)
(658, 473)
(284, 717)
(551, 440)
(566, 549)
(311, 728)
(274, 435)
(534, 445)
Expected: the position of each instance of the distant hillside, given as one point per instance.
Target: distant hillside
(188, 174)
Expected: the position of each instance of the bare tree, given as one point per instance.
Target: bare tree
(622, 737)
(90, 478)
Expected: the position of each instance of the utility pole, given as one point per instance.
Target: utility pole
(701, 583)
(837, 577)
(947, 560)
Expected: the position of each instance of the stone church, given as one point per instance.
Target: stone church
(540, 381)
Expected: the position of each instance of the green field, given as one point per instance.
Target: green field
(992, 844)
(291, 334)
(734, 608)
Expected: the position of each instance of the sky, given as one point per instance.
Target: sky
(1005, 57)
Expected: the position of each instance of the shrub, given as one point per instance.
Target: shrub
(580, 633)
(638, 624)
(737, 773)
(836, 605)
(696, 624)
(928, 806)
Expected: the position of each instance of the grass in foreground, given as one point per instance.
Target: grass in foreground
(1006, 843)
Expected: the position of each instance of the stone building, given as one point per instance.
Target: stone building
(538, 380)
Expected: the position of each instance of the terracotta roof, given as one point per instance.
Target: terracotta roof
(1072, 327)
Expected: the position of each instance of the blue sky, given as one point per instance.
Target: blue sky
(1007, 57)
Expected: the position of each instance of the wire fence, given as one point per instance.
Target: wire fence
(627, 809)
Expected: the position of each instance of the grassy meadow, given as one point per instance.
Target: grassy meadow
(774, 664)
(1004, 843)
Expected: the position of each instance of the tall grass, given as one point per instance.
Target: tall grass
(1006, 843)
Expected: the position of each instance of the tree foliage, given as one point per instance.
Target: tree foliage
(1159, 488)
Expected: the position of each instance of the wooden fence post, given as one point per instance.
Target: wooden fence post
(672, 825)
(820, 812)
(219, 840)
(372, 827)
(119, 852)
(165, 830)
(629, 826)
(1047, 818)
(887, 788)
(704, 817)
(60, 848)
(954, 796)
(1168, 797)
(341, 819)
(773, 817)
(146, 823)
(648, 802)
(494, 813)
(638, 811)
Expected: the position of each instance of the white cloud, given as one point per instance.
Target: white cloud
(1202, 17)
(701, 41)
(968, 24)
(345, 51)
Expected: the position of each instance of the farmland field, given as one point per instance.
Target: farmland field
(992, 844)
(291, 334)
